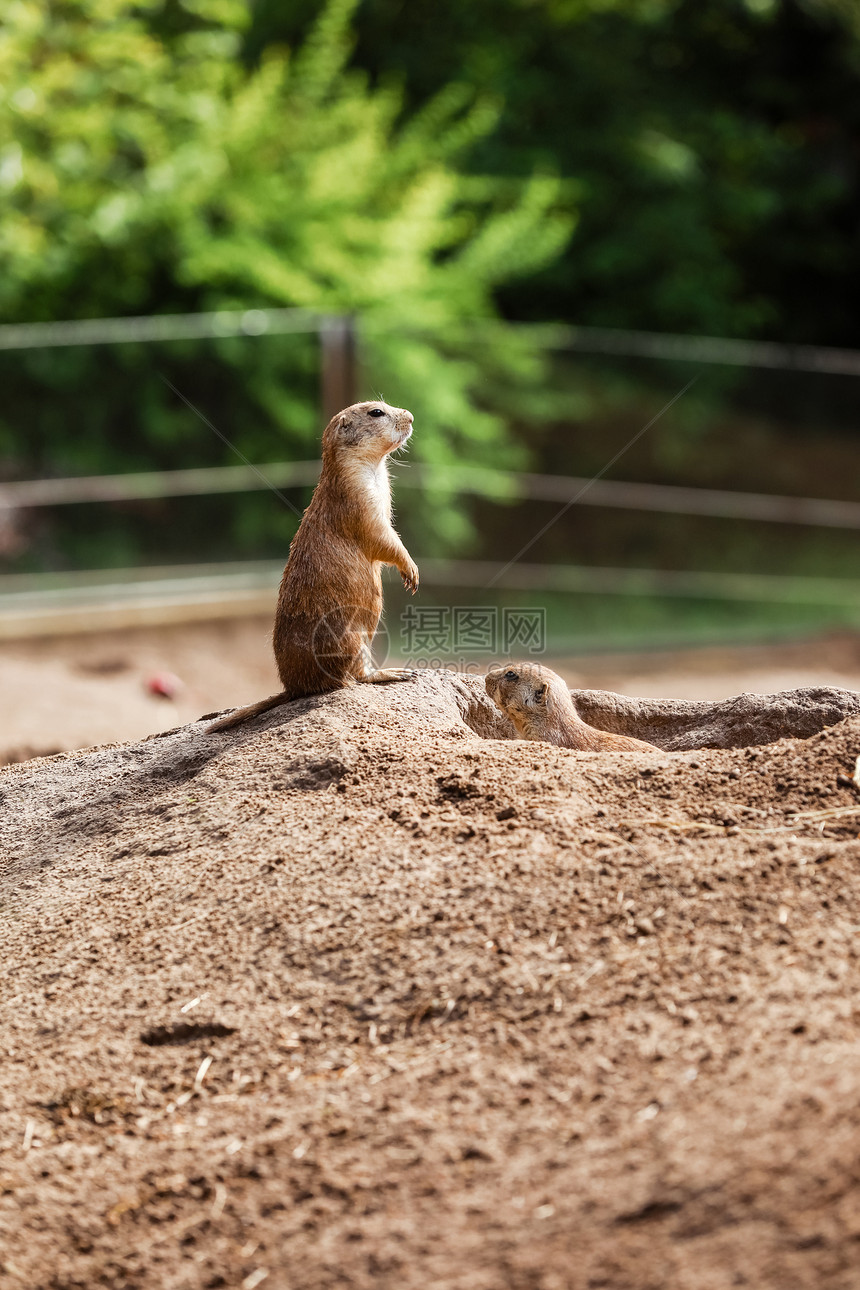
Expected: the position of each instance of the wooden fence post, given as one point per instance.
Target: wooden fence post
(338, 364)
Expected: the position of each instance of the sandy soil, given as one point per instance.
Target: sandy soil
(63, 693)
(355, 997)
(71, 692)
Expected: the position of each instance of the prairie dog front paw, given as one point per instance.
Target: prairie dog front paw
(409, 574)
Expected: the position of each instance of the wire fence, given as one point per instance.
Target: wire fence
(280, 322)
(71, 603)
(511, 485)
(30, 604)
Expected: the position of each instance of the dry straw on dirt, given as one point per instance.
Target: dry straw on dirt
(366, 994)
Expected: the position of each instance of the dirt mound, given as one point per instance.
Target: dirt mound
(356, 996)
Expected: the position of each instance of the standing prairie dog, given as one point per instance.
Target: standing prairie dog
(539, 705)
(330, 600)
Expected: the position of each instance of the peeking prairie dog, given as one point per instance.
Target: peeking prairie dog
(540, 707)
(330, 600)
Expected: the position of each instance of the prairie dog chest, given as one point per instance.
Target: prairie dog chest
(376, 488)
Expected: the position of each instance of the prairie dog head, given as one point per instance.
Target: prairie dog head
(528, 693)
(367, 431)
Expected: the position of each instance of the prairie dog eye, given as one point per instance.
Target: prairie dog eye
(511, 676)
(376, 412)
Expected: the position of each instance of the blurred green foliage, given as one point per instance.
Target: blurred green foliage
(715, 147)
(422, 166)
(145, 168)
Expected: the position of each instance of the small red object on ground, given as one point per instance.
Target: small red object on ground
(163, 685)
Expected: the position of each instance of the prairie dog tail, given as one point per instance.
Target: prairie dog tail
(244, 714)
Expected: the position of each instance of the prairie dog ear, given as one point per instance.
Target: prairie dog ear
(541, 693)
(348, 430)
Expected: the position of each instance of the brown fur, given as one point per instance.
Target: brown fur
(540, 706)
(330, 600)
